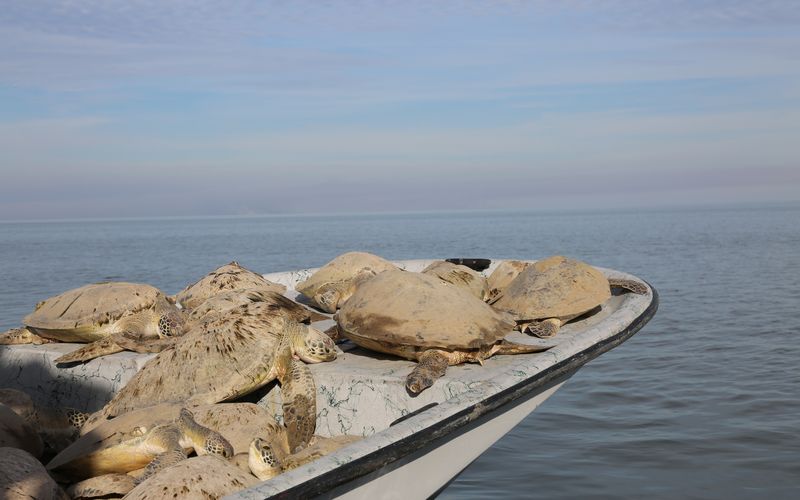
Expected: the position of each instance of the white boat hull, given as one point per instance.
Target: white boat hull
(414, 479)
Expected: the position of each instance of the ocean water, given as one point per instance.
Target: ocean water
(704, 402)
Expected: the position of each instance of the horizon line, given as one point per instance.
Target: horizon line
(722, 205)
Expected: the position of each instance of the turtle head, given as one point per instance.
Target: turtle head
(262, 460)
(418, 382)
(171, 324)
(76, 418)
(329, 295)
(314, 346)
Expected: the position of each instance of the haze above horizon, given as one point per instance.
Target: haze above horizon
(123, 109)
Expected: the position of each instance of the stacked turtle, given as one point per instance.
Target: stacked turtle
(143, 449)
(548, 293)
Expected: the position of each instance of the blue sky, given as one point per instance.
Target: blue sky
(150, 108)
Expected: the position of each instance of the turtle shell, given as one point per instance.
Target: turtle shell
(231, 276)
(198, 477)
(556, 287)
(91, 306)
(459, 275)
(17, 432)
(342, 268)
(402, 308)
(22, 477)
(219, 359)
(504, 274)
(105, 486)
(277, 303)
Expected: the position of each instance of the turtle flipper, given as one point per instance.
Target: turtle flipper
(21, 336)
(299, 404)
(543, 329)
(205, 441)
(131, 342)
(633, 286)
(431, 365)
(161, 462)
(102, 347)
(506, 347)
(168, 439)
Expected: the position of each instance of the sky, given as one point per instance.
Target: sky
(140, 108)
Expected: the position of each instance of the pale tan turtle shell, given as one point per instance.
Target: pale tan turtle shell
(503, 274)
(56, 426)
(225, 301)
(105, 486)
(234, 356)
(556, 287)
(22, 477)
(332, 284)
(80, 314)
(459, 275)
(422, 318)
(16, 432)
(398, 308)
(198, 477)
(231, 276)
(102, 449)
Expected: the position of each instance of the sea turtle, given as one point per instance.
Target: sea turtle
(22, 477)
(266, 459)
(459, 275)
(332, 284)
(421, 318)
(114, 445)
(99, 310)
(231, 276)
(242, 351)
(57, 427)
(153, 439)
(197, 317)
(555, 290)
(503, 274)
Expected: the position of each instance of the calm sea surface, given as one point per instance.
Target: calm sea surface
(704, 402)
